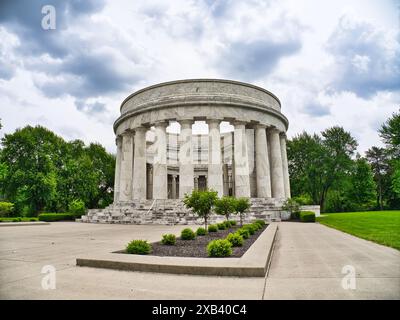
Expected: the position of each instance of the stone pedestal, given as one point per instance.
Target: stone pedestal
(278, 189)
(242, 179)
(117, 169)
(215, 180)
(262, 163)
(139, 164)
(285, 167)
(186, 171)
(160, 178)
(125, 175)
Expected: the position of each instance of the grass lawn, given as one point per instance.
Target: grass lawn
(379, 226)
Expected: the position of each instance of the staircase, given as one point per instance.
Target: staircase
(173, 212)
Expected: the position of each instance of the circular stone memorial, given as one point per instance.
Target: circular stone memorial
(155, 163)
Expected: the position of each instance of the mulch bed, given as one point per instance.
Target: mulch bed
(198, 246)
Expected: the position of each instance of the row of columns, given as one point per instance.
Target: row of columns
(272, 176)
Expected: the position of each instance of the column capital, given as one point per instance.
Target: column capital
(283, 135)
(260, 126)
(272, 130)
(127, 132)
(140, 129)
(186, 121)
(162, 124)
(118, 140)
(213, 121)
(239, 123)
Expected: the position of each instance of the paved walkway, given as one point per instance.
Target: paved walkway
(308, 260)
(307, 264)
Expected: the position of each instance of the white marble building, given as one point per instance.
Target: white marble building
(153, 163)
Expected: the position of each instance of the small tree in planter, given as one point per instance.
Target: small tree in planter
(224, 206)
(292, 207)
(240, 206)
(201, 203)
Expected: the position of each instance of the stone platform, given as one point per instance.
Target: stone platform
(173, 212)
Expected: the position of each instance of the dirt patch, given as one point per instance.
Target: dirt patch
(198, 246)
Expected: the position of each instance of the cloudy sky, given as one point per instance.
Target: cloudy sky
(329, 62)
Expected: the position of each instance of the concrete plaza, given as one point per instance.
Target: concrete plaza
(307, 263)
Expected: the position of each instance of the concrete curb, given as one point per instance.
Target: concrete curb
(253, 263)
(21, 224)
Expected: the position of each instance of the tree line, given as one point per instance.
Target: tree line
(326, 170)
(41, 172)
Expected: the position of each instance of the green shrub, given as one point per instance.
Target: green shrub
(227, 224)
(219, 248)
(32, 219)
(221, 226)
(6, 209)
(168, 239)
(212, 228)
(244, 233)
(77, 207)
(138, 247)
(232, 222)
(252, 229)
(56, 217)
(188, 234)
(260, 222)
(236, 239)
(201, 231)
(307, 216)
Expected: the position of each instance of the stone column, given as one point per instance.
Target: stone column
(262, 163)
(125, 174)
(196, 182)
(118, 157)
(186, 171)
(285, 166)
(160, 178)
(215, 179)
(139, 164)
(241, 161)
(173, 187)
(277, 186)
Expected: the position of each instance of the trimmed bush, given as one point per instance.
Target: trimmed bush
(227, 224)
(256, 226)
(236, 239)
(138, 247)
(219, 248)
(168, 239)
(212, 228)
(307, 216)
(232, 222)
(252, 229)
(260, 222)
(221, 226)
(188, 234)
(201, 231)
(244, 233)
(77, 207)
(56, 217)
(6, 209)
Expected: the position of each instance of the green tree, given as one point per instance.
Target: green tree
(390, 134)
(241, 205)
(362, 191)
(378, 159)
(224, 206)
(30, 179)
(201, 202)
(318, 164)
